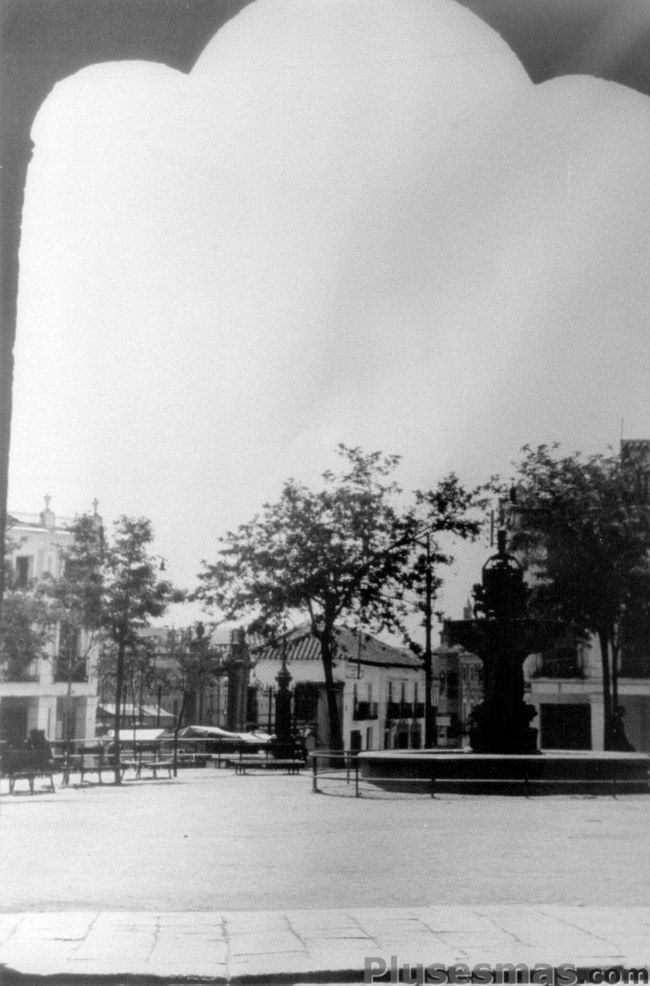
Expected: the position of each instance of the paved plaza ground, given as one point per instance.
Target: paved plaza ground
(210, 841)
(229, 879)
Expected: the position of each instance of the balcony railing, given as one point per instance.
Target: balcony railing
(366, 710)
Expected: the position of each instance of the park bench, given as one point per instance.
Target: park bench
(86, 760)
(187, 759)
(147, 761)
(89, 763)
(25, 765)
(243, 764)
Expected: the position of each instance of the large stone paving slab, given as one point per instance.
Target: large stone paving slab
(316, 945)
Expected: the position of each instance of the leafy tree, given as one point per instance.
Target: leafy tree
(132, 594)
(347, 552)
(141, 671)
(584, 522)
(194, 665)
(27, 625)
(75, 598)
(26, 630)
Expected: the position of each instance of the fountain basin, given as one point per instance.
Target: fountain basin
(550, 772)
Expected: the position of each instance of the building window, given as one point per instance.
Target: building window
(305, 698)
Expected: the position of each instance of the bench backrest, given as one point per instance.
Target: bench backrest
(91, 760)
(13, 761)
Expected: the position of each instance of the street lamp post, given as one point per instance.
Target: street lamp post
(284, 740)
(430, 737)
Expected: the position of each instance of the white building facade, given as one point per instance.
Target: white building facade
(570, 704)
(379, 689)
(45, 696)
(568, 691)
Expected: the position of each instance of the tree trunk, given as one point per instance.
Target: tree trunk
(616, 650)
(68, 739)
(604, 641)
(119, 684)
(336, 735)
(177, 726)
(133, 723)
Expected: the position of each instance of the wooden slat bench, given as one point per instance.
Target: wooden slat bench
(267, 763)
(190, 759)
(19, 765)
(147, 761)
(88, 763)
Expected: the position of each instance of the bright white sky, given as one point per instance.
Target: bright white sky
(357, 221)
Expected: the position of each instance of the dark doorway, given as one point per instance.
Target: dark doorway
(13, 721)
(355, 740)
(565, 727)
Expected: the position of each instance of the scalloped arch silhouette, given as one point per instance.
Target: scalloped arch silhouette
(43, 41)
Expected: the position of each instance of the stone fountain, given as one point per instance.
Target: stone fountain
(504, 756)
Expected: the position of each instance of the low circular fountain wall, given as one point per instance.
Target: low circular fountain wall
(550, 772)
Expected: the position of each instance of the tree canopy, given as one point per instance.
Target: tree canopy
(584, 523)
(26, 629)
(27, 624)
(350, 552)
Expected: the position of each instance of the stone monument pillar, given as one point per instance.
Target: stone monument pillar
(284, 743)
(238, 670)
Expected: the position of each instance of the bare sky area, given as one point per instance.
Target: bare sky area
(357, 221)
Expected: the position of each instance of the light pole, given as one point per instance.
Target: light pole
(430, 731)
(284, 740)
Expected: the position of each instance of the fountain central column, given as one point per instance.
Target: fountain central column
(503, 636)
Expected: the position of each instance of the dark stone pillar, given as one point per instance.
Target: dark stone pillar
(284, 743)
(238, 669)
